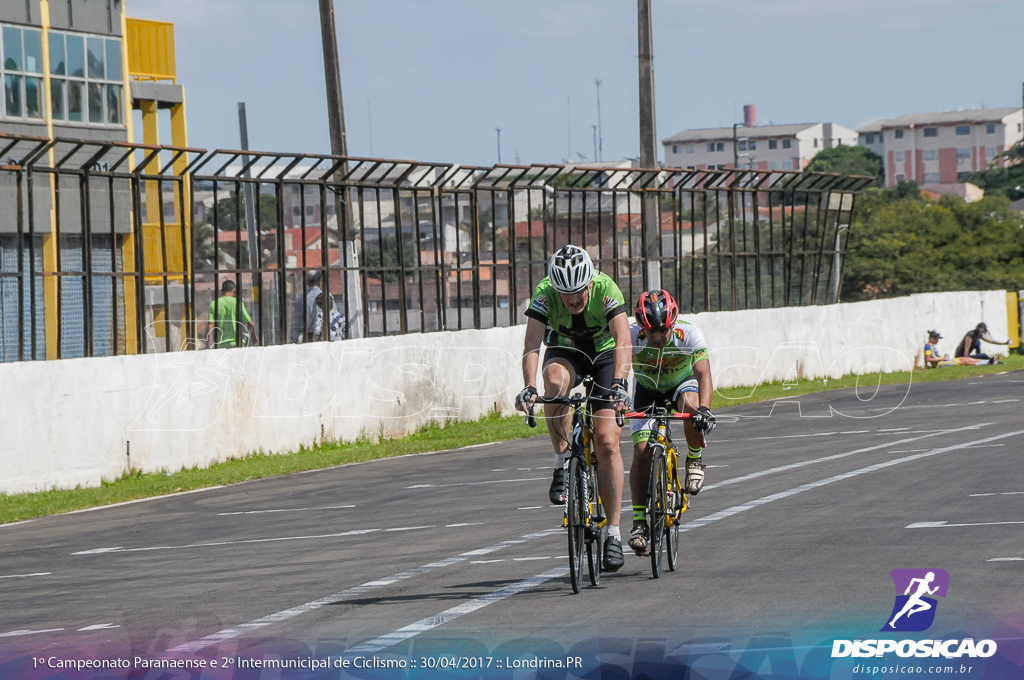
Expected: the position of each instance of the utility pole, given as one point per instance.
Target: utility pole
(339, 148)
(498, 130)
(599, 150)
(648, 143)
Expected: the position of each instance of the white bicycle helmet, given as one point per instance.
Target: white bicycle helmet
(570, 269)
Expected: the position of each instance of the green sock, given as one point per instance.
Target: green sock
(693, 453)
(639, 513)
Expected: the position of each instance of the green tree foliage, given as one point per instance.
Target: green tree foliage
(848, 160)
(384, 254)
(229, 214)
(900, 245)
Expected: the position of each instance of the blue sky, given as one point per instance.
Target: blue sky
(431, 80)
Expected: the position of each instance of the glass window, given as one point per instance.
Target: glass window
(114, 103)
(58, 66)
(33, 51)
(898, 133)
(900, 156)
(931, 178)
(773, 144)
(12, 49)
(931, 132)
(711, 147)
(963, 153)
(990, 152)
(76, 56)
(901, 178)
(690, 148)
(930, 154)
(76, 108)
(990, 129)
(962, 175)
(787, 143)
(12, 95)
(95, 102)
(743, 146)
(114, 60)
(869, 139)
(752, 145)
(33, 97)
(57, 99)
(963, 130)
(94, 52)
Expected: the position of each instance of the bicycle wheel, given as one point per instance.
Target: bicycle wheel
(575, 509)
(657, 503)
(595, 530)
(672, 532)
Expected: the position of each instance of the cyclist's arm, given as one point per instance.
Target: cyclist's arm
(705, 390)
(531, 350)
(619, 327)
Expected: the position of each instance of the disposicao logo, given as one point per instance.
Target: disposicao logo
(914, 611)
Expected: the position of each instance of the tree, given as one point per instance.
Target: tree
(903, 245)
(849, 160)
(1007, 180)
(229, 214)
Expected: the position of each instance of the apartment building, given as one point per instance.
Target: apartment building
(769, 147)
(939, 150)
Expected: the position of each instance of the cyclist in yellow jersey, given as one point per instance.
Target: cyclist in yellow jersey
(581, 316)
(670, 368)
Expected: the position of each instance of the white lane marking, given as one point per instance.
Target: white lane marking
(463, 524)
(100, 551)
(38, 573)
(468, 607)
(895, 429)
(262, 512)
(475, 483)
(532, 507)
(531, 559)
(26, 631)
(798, 436)
(736, 509)
(348, 594)
(101, 626)
(996, 493)
(425, 526)
(837, 456)
(855, 432)
(936, 525)
(1006, 559)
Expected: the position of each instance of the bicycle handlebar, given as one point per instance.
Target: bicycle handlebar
(574, 401)
(636, 415)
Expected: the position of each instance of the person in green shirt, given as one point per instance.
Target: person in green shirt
(223, 327)
(581, 316)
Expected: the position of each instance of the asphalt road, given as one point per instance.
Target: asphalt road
(809, 503)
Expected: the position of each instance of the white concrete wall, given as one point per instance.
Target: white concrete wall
(79, 421)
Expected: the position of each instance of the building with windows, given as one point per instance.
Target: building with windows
(769, 147)
(939, 150)
(76, 70)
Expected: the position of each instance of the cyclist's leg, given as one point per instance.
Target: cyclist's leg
(687, 401)
(560, 374)
(640, 469)
(610, 472)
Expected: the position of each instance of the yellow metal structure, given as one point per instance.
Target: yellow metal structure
(1013, 318)
(150, 46)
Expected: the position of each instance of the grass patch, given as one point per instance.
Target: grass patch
(433, 437)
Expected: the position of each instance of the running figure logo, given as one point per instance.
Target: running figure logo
(914, 610)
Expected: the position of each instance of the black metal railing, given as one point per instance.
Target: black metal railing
(111, 248)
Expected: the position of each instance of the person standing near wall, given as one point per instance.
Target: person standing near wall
(222, 326)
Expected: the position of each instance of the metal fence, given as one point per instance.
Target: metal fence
(112, 248)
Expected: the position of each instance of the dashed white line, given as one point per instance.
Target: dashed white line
(996, 493)
(263, 512)
(38, 573)
(474, 483)
(1006, 559)
(944, 524)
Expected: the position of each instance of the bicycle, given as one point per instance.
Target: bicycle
(583, 516)
(666, 501)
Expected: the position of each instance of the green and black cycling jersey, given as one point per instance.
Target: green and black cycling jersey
(588, 331)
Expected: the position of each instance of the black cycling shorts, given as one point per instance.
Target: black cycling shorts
(601, 368)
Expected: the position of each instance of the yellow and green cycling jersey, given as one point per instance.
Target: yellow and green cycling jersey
(589, 331)
(662, 370)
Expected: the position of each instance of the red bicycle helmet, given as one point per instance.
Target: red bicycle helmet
(656, 310)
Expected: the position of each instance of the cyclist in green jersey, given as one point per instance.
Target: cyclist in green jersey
(224, 329)
(581, 316)
(670, 369)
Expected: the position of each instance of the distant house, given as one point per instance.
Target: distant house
(939, 150)
(769, 147)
